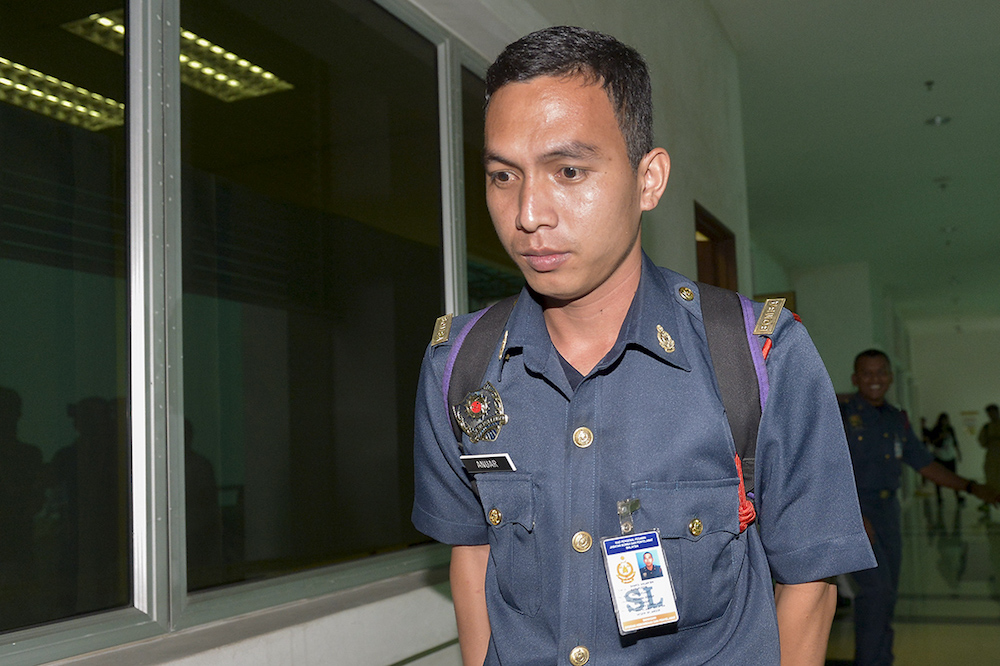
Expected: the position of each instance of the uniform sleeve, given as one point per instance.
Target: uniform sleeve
(445, 507)
(807, 501)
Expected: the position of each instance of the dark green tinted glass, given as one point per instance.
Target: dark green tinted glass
(312, 278)
(64, 503)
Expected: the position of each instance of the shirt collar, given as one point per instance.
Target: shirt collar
(651, 325)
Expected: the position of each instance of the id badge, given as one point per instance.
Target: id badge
(640, 581)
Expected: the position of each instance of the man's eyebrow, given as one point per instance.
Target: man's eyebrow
(572, 149)
(490, 156)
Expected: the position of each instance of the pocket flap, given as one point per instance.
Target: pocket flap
(688, 510)
(507, 497)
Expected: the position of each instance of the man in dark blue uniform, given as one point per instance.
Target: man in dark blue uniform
(601, 395)
(881, 439)
(649, 569)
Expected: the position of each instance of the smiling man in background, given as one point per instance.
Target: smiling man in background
(881, 439)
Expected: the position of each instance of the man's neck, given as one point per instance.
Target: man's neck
(880, 403)
(584, 330)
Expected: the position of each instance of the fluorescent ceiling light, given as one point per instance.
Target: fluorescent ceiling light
(41, 93)
(204, 65)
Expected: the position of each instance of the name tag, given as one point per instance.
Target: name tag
(640, 581)
(488, 462)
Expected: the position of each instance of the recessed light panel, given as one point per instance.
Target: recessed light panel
(204, 65)
(31, 89)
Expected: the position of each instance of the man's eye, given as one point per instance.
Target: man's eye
(501, 177)
(570, 173)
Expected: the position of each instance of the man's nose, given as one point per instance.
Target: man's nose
(535, 206)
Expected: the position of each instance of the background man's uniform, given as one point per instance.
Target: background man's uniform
(646, 423)
(880, 439)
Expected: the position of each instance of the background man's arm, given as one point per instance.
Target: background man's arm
(468, 590)
(805, 613)
(943, 476)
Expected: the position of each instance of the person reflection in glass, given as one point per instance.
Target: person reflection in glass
(21, 497)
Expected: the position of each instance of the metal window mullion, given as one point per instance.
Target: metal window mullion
(154, 202)
(453, 241)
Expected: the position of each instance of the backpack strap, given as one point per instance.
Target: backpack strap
(470, 355)
(728, 330)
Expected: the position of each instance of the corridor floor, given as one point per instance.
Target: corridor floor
(949, 598)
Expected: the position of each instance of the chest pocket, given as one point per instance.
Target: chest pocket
(509, 505)
(699, 528)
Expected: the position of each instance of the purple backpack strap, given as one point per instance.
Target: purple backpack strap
(470, 355)
(749, 321)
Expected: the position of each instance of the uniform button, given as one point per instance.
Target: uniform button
(695, 527)
(686, 294)
(494, 516)
(583, 437)
(887, 456)
(579, 655)
(582, 542)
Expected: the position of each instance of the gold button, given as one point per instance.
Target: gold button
(583, 437)
(686, 293)
(579, 655)
(695, 527)
(887, 456)
(494, 516)
(582, 542)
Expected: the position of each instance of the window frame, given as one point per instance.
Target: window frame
(161, 603)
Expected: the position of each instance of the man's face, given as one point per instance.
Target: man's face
(647, 559)
(873, 378)
(993, 414)
(564, 199)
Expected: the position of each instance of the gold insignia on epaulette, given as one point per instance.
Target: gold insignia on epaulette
(503, 346)
(442, 329)
(769, 316)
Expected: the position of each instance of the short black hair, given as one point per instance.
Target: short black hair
(872, 353)
(599, 58)
(992, 408)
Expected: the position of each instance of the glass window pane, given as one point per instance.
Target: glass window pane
(492, 274)
(312, 278)
(64, 503)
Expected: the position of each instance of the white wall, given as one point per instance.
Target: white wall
(956, 369)
(835, 305)
(415, 626)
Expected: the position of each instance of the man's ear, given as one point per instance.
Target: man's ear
(653, 171)
(854, 379)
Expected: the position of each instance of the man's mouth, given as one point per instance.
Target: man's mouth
(544, 261)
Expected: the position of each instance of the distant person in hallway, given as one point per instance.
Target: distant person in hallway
(989, 439)
(944, 445)
(881, 439)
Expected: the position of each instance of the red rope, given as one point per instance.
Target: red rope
(747, 513)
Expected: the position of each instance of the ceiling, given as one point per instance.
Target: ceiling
(842, 165)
